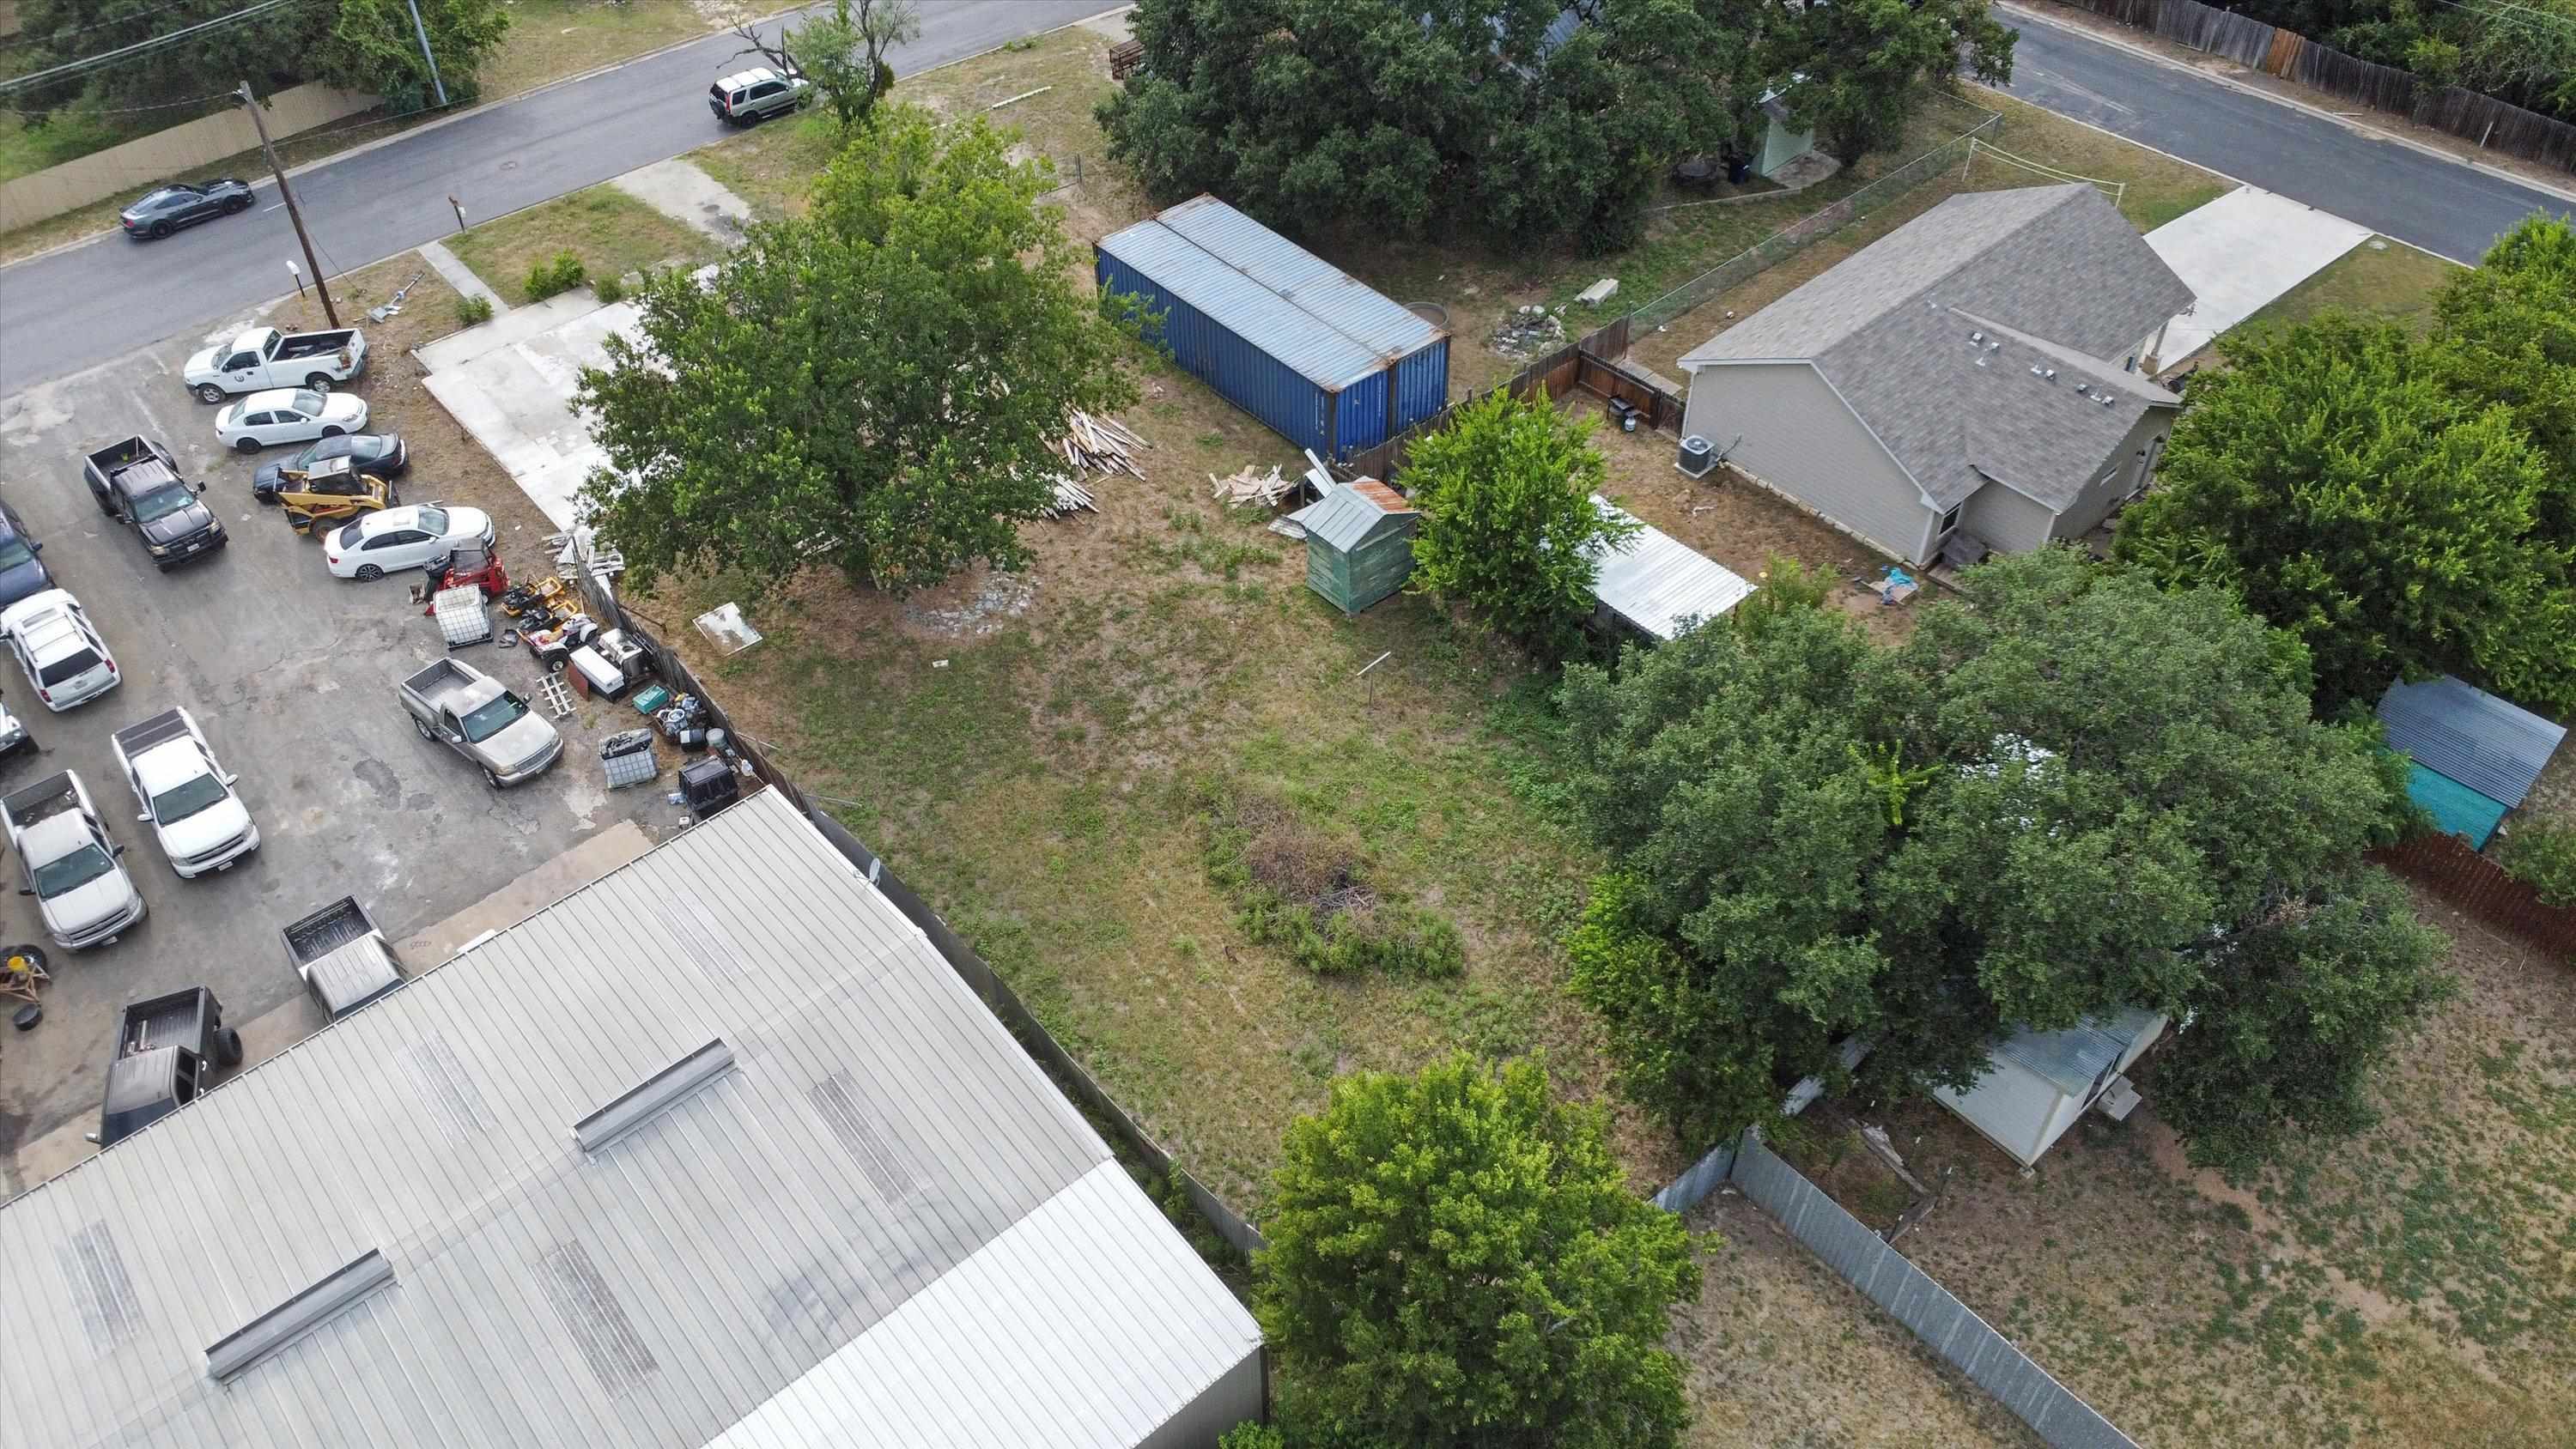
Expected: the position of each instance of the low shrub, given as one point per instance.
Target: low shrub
(473, 311)
(609, 290)
(551, 278)
(1302, 892)
(2542, 855)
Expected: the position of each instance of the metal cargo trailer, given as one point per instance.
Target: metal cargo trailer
(1282, 334)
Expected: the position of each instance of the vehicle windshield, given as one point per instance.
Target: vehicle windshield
(350, 535)
(308, 403)
(73, 871)
(489, 720)
(70, 666)
(185, 799)
(14, 552)
(435, 520)
(163, 501)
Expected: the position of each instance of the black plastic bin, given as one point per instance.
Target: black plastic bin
(709, 784)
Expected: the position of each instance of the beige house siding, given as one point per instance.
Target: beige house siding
(2121, 474)
(2007, 521)
(1798, 436)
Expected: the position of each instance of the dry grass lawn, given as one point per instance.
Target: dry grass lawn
(613, 234)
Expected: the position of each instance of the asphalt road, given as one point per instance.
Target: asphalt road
(74, 309)
(2395, 190)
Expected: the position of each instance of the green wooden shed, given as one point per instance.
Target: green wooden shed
(1359, 543)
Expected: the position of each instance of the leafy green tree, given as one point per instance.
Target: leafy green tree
(373, 48)
(844, 53)
(2507, 336)
(1508, 524)
(1413, 114)
(2070, 792)
(2334, 478)
(1456, 1259)
(874, 386)
(361, 45)
(2542, 854)
(1865, 63)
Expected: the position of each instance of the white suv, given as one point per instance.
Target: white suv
(746, 98)
(64, 657)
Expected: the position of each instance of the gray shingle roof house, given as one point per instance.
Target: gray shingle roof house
(1975, 379)
(716, 1152)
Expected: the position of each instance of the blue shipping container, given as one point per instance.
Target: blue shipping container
(1328, 364)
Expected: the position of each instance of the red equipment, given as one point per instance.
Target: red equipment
(471, 565)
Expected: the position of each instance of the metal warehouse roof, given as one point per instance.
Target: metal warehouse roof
(2456, 729)
(717, 1150)
(1659, 584)
(1344, 517)
(1296, 338)
(1301, 278)
(2074, 1058)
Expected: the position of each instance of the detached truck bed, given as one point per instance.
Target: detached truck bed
(342, 957)
(168, 1049)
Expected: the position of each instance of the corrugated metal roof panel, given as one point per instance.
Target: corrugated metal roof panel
(1658, 584)
(2074, 1058)
(2468, 735)
(1335, 297)
(1345, 517)
(879, 1133)
(1242, 305)
(2455, 808)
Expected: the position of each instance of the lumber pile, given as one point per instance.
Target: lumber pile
(1249, 487)
(1098, 445)
(1070, 498)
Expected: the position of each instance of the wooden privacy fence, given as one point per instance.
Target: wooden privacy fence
(1588, 365)
(2493, 124)
(2445, 865)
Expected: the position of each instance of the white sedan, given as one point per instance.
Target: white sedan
(410, 537)
(289, 415)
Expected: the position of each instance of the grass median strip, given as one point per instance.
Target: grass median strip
(611, 232)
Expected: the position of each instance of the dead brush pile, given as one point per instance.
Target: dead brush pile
(1303, 891)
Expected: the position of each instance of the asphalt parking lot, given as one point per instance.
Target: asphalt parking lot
(291, 673)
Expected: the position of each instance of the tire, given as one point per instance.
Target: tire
(228, 1047)
(333, 432)
(319, 382)
(422, 726)
(492, 778)
(246, 445)
(103, 505)
(159, 230)
(207, 392)
(300, 522)
(236, 206)
(369, 573)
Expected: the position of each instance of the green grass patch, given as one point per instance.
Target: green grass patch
(608, 231)
(1310, 894)
(2379, 278)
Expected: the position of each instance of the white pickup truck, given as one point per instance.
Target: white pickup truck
(184, 795)
(69, 863)
(265, 357)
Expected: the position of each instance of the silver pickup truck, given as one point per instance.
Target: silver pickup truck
(470, 712)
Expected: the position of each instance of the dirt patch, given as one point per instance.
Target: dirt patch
(972, 605)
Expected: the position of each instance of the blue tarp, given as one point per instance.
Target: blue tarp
(2456, 808)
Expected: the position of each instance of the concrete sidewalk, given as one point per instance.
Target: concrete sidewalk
(2241, 252)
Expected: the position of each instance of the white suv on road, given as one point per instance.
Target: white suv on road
(64, 657)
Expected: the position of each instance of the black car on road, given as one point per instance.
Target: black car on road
(381, 454)
(165, 209)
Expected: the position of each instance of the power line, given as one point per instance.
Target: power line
(74, 67)
(133, 110)
(30, 37)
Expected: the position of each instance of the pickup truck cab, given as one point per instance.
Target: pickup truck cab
(70, 865)
(168, 1050)
(184, 795)
(470, 712)
(137, 483)
(264, 357)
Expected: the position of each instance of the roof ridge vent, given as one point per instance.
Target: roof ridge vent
(237, 1352)
(640, 1103)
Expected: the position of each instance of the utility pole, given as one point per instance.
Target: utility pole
(422, 31)
(293, 215)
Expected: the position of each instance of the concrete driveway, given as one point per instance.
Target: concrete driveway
(2240, 252)
(291, 673)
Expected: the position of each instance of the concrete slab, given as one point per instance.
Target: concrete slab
(460, 276)
(679, 190)
(2240, 252)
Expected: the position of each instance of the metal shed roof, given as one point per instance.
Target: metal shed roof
(878, 1224)
(2073, 1059)
(2456, 729)
(1659, 584)
(1345, 517)
(1298, 339)
(1301, 278)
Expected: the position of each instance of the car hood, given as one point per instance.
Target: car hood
(26, 579)
(523, 741)
(203, 361)
(194, 519)
(102, 899)
(206, 829)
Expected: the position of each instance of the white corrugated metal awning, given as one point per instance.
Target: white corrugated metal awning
(1660, 585)
(838, 1197)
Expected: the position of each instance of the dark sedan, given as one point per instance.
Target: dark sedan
(382, 454)
(21, 572)
(168, 208)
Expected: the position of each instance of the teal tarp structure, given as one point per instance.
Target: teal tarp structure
(2458, 809)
